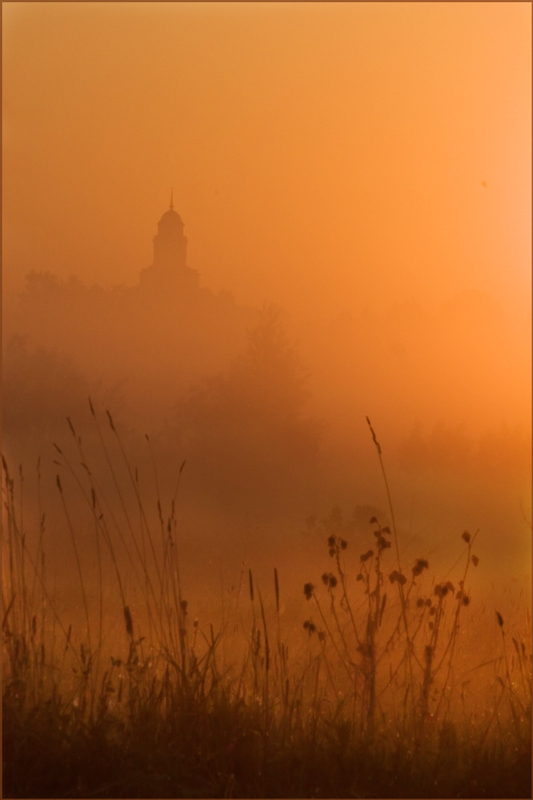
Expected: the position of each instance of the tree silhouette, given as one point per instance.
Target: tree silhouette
(247, 429)
(40, 389)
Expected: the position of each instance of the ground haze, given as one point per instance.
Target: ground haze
(266, 399)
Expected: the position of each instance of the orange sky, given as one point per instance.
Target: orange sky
(323, 155)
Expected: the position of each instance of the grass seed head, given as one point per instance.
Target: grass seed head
(129, 622)
(251, 585)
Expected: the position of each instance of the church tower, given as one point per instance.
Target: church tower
(170, 245)
(169, 270)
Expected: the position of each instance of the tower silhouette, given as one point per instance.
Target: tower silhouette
(169, 270)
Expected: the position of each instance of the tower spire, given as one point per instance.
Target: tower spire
(171, 199)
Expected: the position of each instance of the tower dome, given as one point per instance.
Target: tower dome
(170, 220)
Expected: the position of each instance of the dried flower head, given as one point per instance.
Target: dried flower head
(308, 590)
(373, 520)
(343, 544)
(325, 578)
(466, 600)
(466, 536)
(500, 619)
(397, 576)
(367, 555)
(420, 564)
(475, 560)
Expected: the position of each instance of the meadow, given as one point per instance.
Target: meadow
(121, 678)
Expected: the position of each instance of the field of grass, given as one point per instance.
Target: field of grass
(379, 692)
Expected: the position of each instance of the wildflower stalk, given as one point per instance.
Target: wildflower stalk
(400, 583)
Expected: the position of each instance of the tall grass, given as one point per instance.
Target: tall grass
(132, 697)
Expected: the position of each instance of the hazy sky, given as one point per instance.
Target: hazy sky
(322, 154)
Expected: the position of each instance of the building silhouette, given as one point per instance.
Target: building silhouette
(169, 270)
